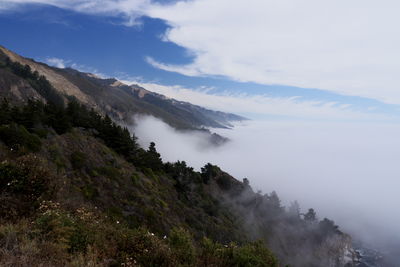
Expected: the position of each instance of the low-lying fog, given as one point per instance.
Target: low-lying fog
(348, 172)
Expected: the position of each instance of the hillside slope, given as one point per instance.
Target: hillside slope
(74, 181)
(116, 99)
(76, 189)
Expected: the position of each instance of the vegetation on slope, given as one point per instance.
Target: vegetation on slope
(108, 96)
(57, 207)
(76, 189)
(61, 205)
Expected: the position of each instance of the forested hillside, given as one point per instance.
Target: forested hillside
(77, 190)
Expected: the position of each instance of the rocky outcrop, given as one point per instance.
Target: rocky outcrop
(59, 82)
(16, 89)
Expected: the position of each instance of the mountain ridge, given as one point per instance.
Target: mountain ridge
(121, 101)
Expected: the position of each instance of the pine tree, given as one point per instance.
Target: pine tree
(310, 216)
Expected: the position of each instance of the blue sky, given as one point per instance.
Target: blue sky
(103, 43)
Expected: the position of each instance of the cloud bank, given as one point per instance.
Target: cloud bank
(347, 172)
(264, 105)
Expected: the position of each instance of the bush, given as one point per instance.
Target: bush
(149, 250)
(109, 171)
(16, 136)
(26, 176)
(225, 182)
(208, 172)
(181, 244)
(78, 160)
(90, 192)
(251, 254)
(66, 230)
(135, 178)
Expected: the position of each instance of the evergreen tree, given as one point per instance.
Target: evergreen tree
(5, 112)
(294, 209)
(208, 172)
(310, 216)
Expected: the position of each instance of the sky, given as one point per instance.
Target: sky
(319, 79)
(310, 59)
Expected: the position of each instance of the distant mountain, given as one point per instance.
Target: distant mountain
(112, 97)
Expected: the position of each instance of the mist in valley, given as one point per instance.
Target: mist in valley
(347, 172)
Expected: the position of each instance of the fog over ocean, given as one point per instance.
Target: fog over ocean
(348, 172)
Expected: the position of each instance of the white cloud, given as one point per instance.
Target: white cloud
(128, 9)
(185, 70)
(62, 63)
(347, 47)
(56, 62)
(263, 104)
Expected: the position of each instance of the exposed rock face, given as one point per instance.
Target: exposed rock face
(15, 89)
(59, 82)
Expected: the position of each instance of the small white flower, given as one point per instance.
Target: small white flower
(117, 221)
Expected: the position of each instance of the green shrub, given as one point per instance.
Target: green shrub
(90, 192)
(150, 215)
(41, 132)
(150, 250)
(251, 254)
(182, 246)
(135, 178)
(109, 171)
(225, 182)
(78, 160)
(72, 232)
(26, 176)
(16, 136)
(56, 157)
(149, 173)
